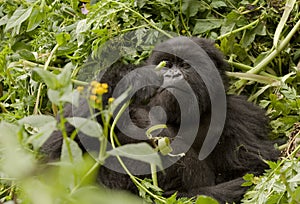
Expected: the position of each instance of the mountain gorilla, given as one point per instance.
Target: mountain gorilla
(243, 142)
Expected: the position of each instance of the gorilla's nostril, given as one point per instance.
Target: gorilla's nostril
(173, 74)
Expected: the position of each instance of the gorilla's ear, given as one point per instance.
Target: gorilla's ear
(215, 54)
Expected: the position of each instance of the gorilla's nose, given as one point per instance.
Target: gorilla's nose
(173, 74)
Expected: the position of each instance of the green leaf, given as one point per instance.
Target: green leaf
(49, 78)
(74, 4)
(71, 97)
(35, 18)
(218, 4)
(230, 22)
(37, 120)
(92, 195)
(296, 195)
(296, 178)
(64, 94)
(64, 77)
(86, 126)
(141, 151)
(44, 132)
(66, 49)
(204, 25)
(172, 198)
(26, 54)
(3, 20)
(206, 200)
(54, 96)
(8, 133)
(248, 38)
(141, 3)
(15, 160)
(82, 26)
(18, 17)
(190, 7)
(76, 152)
(249, 35)
(62, 38)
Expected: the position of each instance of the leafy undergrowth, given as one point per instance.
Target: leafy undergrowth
(46, 44)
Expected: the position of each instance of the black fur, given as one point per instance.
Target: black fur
(241, 149)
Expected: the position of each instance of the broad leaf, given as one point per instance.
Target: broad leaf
(54, 96)
(206, 200)
(76, 153)
(64, 77)
(37, 120)
(204, 25)
(62, 38)
(35, 18)
(190, 7)
(38, 139)
(71, 97)
(141, 151)
(48, 77)
(18, 17)
(86, 126)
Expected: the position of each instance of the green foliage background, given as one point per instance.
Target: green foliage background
(260, 39)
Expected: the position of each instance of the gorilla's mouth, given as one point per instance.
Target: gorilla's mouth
(171, 88)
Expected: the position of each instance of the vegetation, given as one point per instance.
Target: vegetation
(45, 44)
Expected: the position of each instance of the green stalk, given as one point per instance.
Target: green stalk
(37, 102)
(182, 20)
(91, 170)
(270, 57)
(154, 174)
(132, 177)
(239, 29)
(64, 131)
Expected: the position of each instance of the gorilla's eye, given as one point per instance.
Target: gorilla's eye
(169, 64)
(184, 64)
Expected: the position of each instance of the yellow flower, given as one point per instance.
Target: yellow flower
(100, 90)
(183, 31)
(94, 91)
(110, 100)
(98, 101)
(93, 97)
(80, 88)
(98, 85)
(104, 85)
(94, 83)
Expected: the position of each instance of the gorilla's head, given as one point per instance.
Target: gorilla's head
(187, 61)
(184, 88)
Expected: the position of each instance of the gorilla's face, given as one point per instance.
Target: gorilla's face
(178, 79)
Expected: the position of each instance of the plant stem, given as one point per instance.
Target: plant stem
(270, 57)
(245, 67)
(133, 178)
(182, 20)
(153, 174)
(91, 170)
(36, 106)
(63, 130)
(33, 64)
(239, 29)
